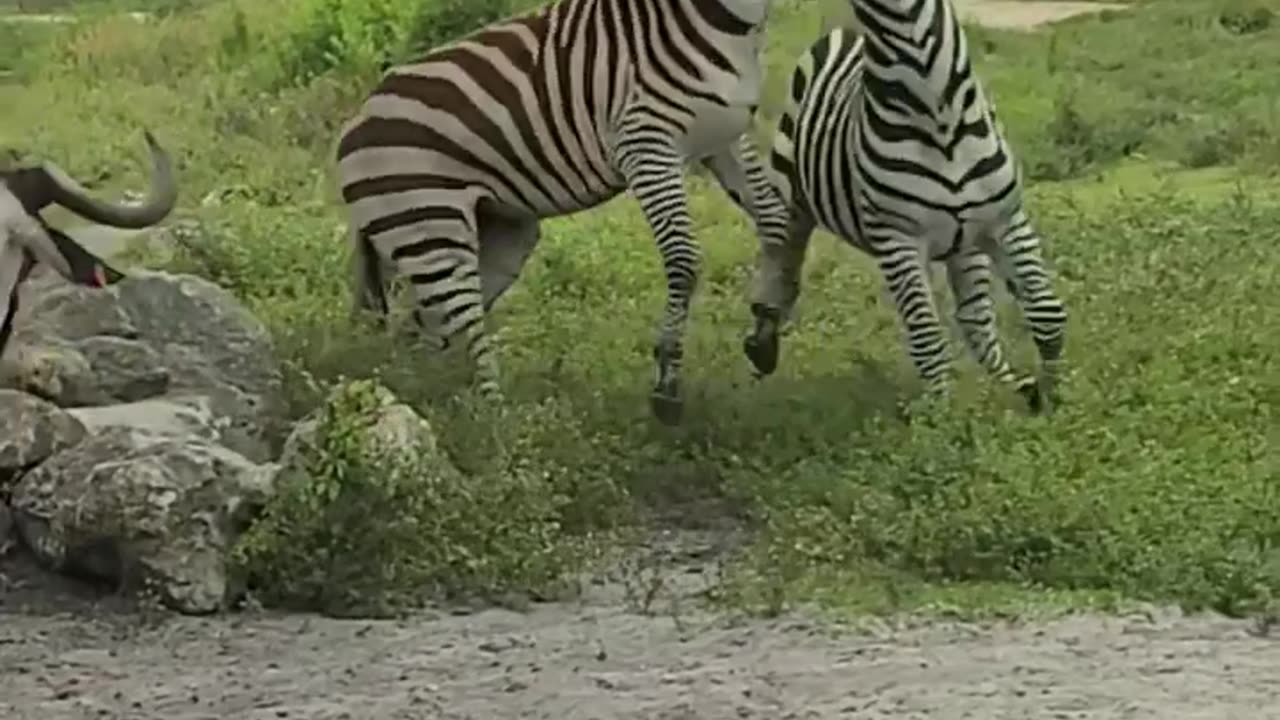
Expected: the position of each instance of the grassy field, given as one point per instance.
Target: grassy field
(1150, 137)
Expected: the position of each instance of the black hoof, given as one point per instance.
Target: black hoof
(762, 352)
(668, 409)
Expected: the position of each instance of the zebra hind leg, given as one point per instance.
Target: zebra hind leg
(1018, 255)
(446, 283)
(970, 277)
(907, 278)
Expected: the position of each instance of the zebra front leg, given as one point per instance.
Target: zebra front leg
(369, 290)
(507, 238)
(782, 239)
(775, 289)
(655, 177)
(741, 175)
(1018, 256)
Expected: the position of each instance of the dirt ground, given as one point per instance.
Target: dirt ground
(67, 653)
(1020, 14)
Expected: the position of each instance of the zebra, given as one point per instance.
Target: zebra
(25, 238)
(454, 159)
(889, 142)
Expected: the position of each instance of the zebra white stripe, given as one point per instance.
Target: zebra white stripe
(454, 159)
(889, 142)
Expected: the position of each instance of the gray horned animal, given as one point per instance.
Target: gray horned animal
(26, 239)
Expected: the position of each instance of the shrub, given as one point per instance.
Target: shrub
(362, 36)
(364, 525)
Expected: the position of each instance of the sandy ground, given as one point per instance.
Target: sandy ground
(68, 653)
(65, 656)
(1018, 14)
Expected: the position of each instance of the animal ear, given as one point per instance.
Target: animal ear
(84, 267)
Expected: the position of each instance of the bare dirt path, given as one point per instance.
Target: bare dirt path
(1020, 14)
(597, 660)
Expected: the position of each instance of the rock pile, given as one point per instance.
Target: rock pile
(137, 428)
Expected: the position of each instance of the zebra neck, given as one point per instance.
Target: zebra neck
(916, 45)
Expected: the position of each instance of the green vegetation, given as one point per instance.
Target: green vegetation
(364, 521)
(1149, 137)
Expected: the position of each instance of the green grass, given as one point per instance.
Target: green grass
(1150, 137)
(1099, 87)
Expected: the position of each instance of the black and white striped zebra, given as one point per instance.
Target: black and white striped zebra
(888, 141)
(454, 159)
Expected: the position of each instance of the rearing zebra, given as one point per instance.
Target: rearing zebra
(889, 142)
(454, 159)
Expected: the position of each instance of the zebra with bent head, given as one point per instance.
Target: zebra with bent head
(889, 142)
(454, 159)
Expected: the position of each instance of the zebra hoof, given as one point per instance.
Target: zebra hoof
(668, 409)
(762, 351)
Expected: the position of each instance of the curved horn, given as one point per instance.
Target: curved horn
(75, 197)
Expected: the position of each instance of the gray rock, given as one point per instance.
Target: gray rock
(173, 416)
(124, 370)
(94, 347)
(31, 430)
(70, 312)
(7, 537)
(52, 369)
(212, 346)
(390, 426)
(131, 506)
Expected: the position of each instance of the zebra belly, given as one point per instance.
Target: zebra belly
(598, 196)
